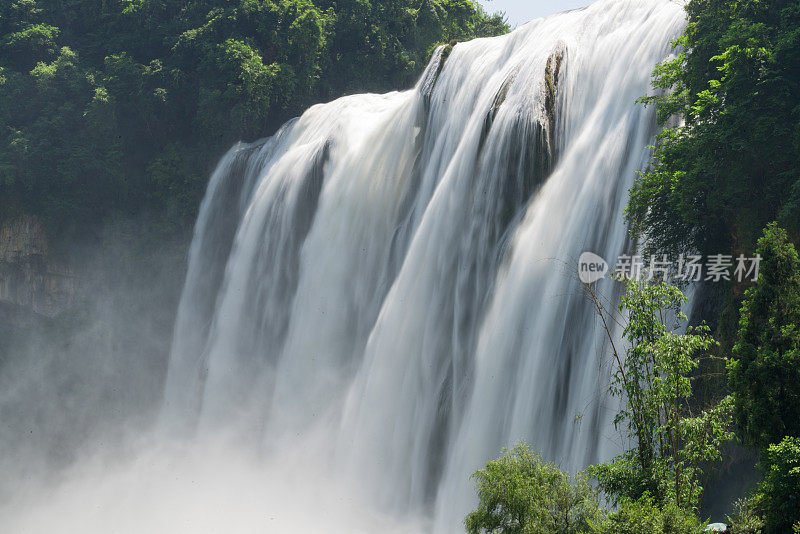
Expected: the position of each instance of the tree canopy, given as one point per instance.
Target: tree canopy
(728, 161)
(111, 107)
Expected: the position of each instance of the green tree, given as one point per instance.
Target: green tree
(732, 162)
(779, 491)
(652, 374)
(25, 38)
(764, 373)
(646, 516)
(99, 99)
(520, 493)
(746, 517)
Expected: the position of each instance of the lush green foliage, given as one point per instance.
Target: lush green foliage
(653, 376)
(520, 493)
(646, 516)
(779, 492)
(746, 518)
(108, 107)
(765, 371)
(734, 163)
(727, 163)
(657, 484)
(765, 379)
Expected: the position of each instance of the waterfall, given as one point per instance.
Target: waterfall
(385, 283)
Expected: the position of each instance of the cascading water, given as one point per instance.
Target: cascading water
(385, 283)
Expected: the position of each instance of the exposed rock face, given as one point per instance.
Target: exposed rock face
(551, 73)
(29, 276)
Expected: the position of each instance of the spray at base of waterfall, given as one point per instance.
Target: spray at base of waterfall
(210, 488)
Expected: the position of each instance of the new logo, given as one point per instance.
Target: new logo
(591, 267)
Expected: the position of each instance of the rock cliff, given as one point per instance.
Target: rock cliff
(30, 277)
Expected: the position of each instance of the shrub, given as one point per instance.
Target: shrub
(645, 516)
(520, 493)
